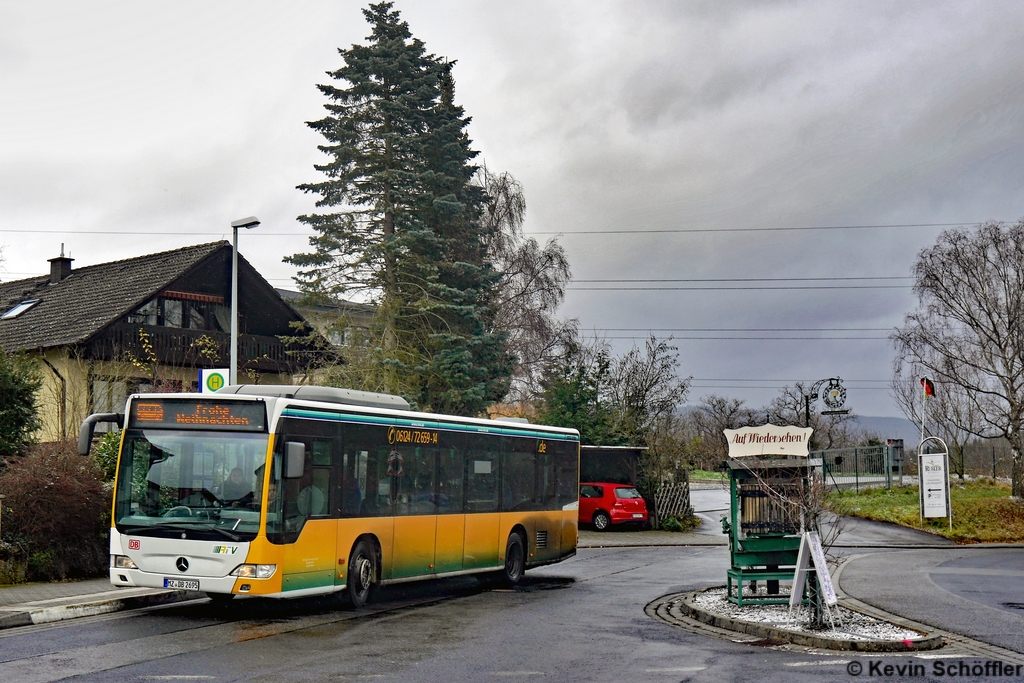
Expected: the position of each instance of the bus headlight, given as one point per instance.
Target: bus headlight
(254, 571)
(124, 562)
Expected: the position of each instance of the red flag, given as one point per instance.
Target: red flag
(929, 388)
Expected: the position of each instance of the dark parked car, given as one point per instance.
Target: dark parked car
(603, 504)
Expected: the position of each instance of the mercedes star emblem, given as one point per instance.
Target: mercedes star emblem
(182, 564)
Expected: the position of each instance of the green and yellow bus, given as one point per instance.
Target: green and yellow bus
(296, 491)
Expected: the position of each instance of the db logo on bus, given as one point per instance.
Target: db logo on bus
(133, 544)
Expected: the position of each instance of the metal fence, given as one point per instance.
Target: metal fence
(867, 466)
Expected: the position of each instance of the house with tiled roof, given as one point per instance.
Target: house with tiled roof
(148, 323)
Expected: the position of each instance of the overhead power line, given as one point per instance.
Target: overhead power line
(751, 279)
(737, 289)
(623, 231)
(787, 381)
(762, 338)
(715, 386)
(737, 329)
(766, 229)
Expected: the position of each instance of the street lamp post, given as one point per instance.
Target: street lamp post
(247, 223)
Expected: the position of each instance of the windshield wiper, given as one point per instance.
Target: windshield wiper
(225, 532)
(166, 526)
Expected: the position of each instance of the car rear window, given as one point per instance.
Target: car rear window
(627, 493)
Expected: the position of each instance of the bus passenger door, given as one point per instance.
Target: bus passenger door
(365, 494)
(309, 507)
(412, 493)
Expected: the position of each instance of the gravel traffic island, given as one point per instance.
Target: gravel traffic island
(848, 629)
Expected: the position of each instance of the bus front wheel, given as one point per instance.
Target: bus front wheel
(515, 559)
(362, 573)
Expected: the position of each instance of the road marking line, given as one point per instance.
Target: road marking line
(972, 571)
(678, 669)
(836, 662)
(177, 678)
(517, 673)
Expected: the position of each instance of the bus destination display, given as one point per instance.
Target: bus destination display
(241, 416)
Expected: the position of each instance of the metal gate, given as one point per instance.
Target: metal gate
(868, 466)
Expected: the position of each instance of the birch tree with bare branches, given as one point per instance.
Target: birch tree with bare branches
(950, 414)
(968, 328)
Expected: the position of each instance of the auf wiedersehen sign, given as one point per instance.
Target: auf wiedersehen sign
(768, 439)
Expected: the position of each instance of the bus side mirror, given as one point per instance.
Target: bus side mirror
(294, 459)
(89, 426)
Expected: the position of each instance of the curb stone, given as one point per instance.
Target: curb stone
(930, 641)
(60, 609)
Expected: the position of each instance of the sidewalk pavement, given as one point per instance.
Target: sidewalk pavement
(40, 603)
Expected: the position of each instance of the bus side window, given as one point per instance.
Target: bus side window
(450, 473)
(482, 461)
(518, 480)
(366, 485)
(566, 471)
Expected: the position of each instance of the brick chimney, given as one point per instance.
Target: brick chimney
(60, 267)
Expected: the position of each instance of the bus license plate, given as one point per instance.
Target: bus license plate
(638, 515)
(181, 584)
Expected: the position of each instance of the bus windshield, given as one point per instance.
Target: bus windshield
(192, 484)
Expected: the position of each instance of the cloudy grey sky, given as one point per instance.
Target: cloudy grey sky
(655, 130)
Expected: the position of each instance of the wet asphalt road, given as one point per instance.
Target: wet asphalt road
(581, 620)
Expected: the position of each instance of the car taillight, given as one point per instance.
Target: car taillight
(619, 504)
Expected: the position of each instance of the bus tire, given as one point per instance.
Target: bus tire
(515, 559)
(362, 573)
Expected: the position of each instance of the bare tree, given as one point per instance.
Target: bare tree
(714, 415)
(645, 387)
(968, 328)
(532, 286)
(830, 431)
(951, 415)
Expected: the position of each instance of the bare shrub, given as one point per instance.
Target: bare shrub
(56, 513)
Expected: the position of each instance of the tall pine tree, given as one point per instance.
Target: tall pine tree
(401, 226)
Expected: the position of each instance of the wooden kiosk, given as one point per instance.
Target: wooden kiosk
(769, 479)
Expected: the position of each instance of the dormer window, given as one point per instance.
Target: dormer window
(19, 309)
(189, 310)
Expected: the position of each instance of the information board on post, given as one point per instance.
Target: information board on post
(934, 485)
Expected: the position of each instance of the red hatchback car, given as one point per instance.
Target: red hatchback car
(603, 504)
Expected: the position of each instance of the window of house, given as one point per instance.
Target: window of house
(172, 313)
(108, 395)
(147, 315)
(19, 309)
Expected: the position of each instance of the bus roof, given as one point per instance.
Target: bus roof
(280, 392)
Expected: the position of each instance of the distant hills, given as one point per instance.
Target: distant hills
(891, 428)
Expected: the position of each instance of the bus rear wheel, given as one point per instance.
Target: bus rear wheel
(515, 559)
(362, 573)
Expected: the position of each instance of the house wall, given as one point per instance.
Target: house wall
(90, 386)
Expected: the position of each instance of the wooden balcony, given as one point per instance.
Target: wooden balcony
(187, 348)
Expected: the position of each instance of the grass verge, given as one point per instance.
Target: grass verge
(707, 475)
(982, 511)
